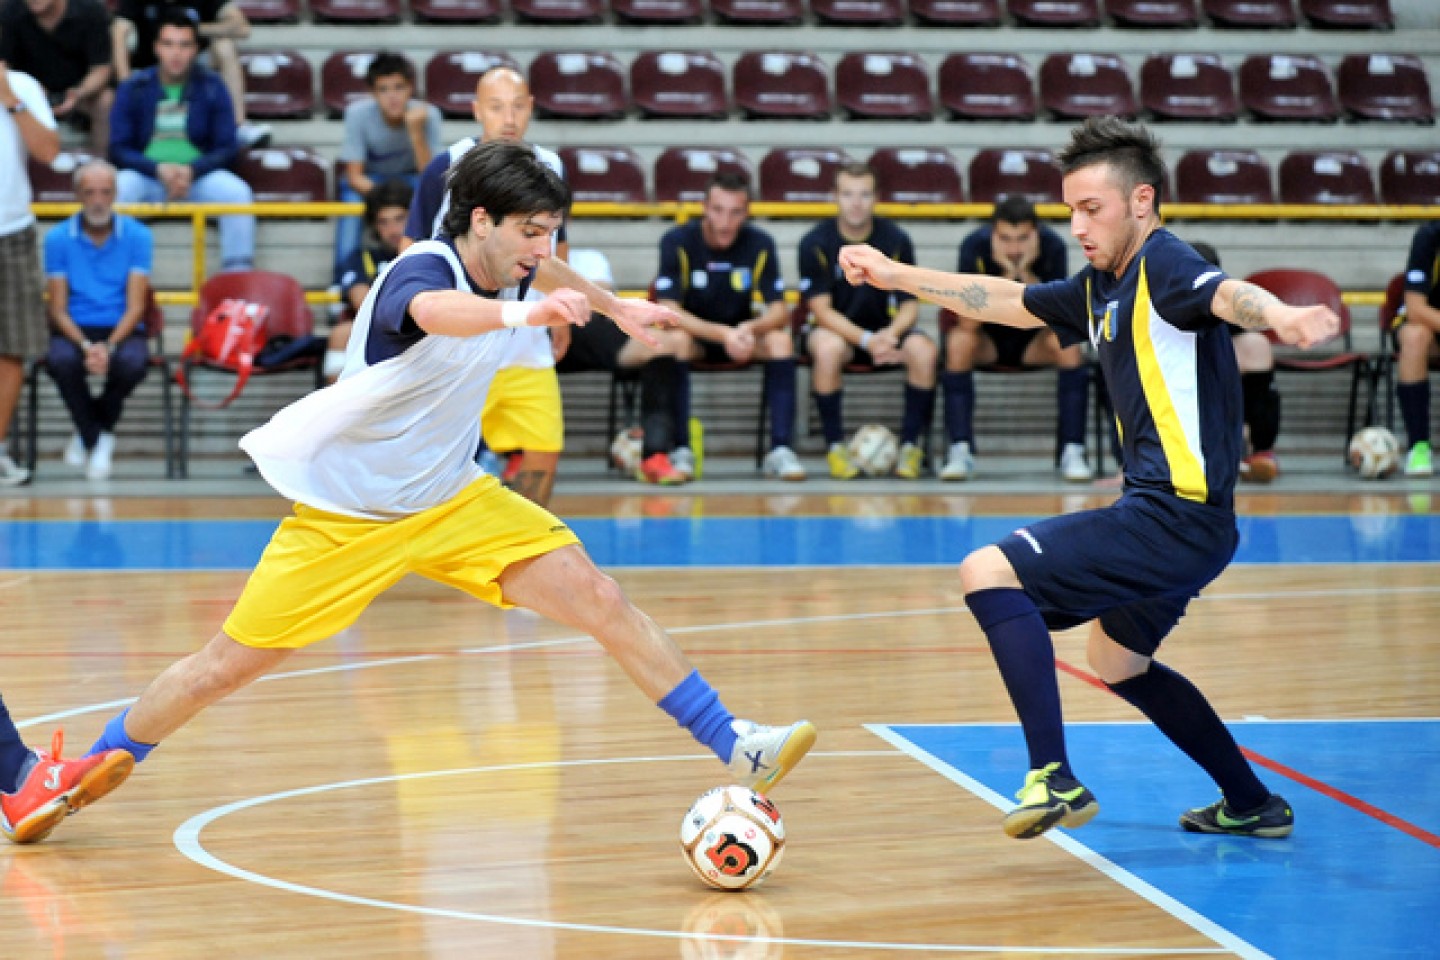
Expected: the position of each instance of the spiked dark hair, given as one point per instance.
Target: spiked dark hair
(1129, 148)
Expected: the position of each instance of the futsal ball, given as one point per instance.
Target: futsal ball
(732, 837)
(874, 450)
(1375, 452)
(626, 448)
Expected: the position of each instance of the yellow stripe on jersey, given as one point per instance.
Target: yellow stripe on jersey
(684, 269)
(759, 269)
(1171, 413)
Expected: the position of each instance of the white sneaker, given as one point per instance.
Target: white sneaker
(959, 462)
(253, 136)
(101, 458)
(75, 451)
(763, 755)
(683, 460)
(782, 464)
(11, 473)
(1073, 465)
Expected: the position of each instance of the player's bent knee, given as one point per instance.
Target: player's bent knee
(987, 569)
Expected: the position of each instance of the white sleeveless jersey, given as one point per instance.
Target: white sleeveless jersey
(390, 439)
(532, 347)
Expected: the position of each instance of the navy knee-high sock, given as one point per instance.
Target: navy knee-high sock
(959, 391)
(832, 421)
(1072, 399)
(919, 408)
(681, 398)
(1415, 410)
(1182, 713)
(780, 378)
(13, 752)
(1023, 651)
(1262, 408)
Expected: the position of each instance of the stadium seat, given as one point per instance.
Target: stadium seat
(658, 11)
(1285, 86)
(1022, 171)
(884, 86)
(872, 13)
(781, 84)
(355, 11)
(987, 86)
(279, 84)
(916, 175)
(1251, 14)
(1187, 86)
(342, 79)
(285, 175)
(1223, 176)
(758, 12)
(1348, 14)
(1326, 176)
(1411, 177)
(800, 174)
(604, 174)
(1078, 85)
(675, 84)
(956, 13)
(457, 11)
(451, 76)
(681, 173)
(270, 11)
(1385, 86)
(1177, 14)
(558, 11)
(1056, 13)
(54, 182)
(578, 85)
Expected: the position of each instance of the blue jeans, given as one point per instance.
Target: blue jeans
(94, 415)
(237, 231)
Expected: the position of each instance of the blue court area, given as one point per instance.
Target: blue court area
(1347, 884)
(708, 541)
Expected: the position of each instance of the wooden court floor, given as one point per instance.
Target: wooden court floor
(449, 780)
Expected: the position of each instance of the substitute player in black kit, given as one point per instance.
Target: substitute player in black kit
(1153, 309)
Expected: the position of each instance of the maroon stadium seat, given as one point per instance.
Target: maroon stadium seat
(1056, 13)
(285, 175)
(1385, 86)
(1251, 14)
(1326, 176)
(758, 12)
(658, 11)
(451, 76)
(342, 79)
(270, 11)
(604, 174)
(682, 172)
(1022, 171)
(1284, 86)
(884, 86)
(1153, 13)
(356, 11)
(875, 13)
(558, 11)
(800, 174)
(54, 182)
(578, 85)
(1187, 86)
(1076, 85)
(1348, 14)
(956, 13)
(279, 84)
(788, 84)
(1411, 176)
(916, 175)
(987, 86)
(1223, 176)
(457, 11)
(679, 84)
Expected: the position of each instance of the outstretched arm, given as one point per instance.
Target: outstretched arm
(990, 299)
(1255, 308)
(635, 317)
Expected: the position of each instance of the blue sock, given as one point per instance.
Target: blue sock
(13, 752)
(959, 392)
(919, 409)
(780, 378)
(1072, 396)
(696, 706)
(115, 738)
(832, 423)
(1025, 655)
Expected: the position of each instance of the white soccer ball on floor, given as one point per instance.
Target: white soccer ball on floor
(626, 448)
(874, 450)
(1375, 453)
(732, 837)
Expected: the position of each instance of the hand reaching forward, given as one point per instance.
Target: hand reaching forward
(1305, 326)
(637, 317)
(561, 308)
(864, 264)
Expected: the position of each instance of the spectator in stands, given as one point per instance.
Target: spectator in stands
(711, 272)
(65, 45)
(1017, 246)
(97, 274)
(863, 323)
(27, 129)
(173, 137)
(1417, 325)
(665, 456)
(389, 137)
(386, 209)
(221, 24)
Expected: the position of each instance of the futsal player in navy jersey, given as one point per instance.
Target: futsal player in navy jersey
(1154, 311)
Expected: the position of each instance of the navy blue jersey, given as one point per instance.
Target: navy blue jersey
(1422, 270)
(865, 306)
(718, 285)
(976, 255)
(1168, 362)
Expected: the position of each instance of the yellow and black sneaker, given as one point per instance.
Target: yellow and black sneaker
(1272, 819)
(1047, 800)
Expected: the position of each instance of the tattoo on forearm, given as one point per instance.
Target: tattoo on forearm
(972, 295)
(1249, 303)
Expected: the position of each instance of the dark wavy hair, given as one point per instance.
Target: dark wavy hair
(1129, 148)
(502, 178)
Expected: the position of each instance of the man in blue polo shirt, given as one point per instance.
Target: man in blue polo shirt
(97, 270)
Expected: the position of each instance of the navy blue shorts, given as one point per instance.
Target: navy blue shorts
(1135, 564)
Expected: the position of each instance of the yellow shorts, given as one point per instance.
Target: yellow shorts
(523, 411)
(321, 570)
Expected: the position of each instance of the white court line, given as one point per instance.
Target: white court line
(1196, 921)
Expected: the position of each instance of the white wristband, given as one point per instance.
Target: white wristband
(515, 314)
(865, 340)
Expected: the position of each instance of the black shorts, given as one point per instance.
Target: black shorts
(713, 352)
(1010, 342)
(595, 346)
(1135, 564)
(862, 356)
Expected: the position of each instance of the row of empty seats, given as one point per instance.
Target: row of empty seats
(903, 175)
(792, 85)
(1175, 14)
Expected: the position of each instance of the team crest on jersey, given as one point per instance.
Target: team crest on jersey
(740, 279)
(1103, 326)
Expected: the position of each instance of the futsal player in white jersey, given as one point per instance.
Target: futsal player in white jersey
(382, 470)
